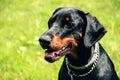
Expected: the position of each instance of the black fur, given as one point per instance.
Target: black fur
(92, 31)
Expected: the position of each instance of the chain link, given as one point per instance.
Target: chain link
(71, 73)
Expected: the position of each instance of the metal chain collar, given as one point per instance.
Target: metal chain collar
(71, 73)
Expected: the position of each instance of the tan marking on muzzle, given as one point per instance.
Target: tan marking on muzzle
(58, 43)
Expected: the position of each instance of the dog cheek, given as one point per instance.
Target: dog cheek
(56, 43)
(74, 43)
(77, 36)
(71, 40)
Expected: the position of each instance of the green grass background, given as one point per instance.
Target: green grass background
(23, 21)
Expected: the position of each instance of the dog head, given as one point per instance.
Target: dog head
(68, 27)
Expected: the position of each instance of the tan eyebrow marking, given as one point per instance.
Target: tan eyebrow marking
(67, 19)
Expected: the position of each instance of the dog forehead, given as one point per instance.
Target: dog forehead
(66, 11)
(70, 12)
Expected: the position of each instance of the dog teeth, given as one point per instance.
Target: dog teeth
(45, 49)
(63, 48)
(53, 55)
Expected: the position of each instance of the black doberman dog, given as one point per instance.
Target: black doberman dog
(75, 34)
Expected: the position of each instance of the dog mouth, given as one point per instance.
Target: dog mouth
(53, 55)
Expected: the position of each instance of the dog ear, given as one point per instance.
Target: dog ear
(94, 31)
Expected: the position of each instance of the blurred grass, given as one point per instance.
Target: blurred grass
(23, 21)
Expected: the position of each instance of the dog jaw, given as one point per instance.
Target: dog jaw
(60, 47)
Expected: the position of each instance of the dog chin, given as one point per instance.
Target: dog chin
(50, 59)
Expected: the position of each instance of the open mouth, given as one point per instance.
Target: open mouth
(53, 55)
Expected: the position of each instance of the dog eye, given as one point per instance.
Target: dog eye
(69, 25)
(68, 22)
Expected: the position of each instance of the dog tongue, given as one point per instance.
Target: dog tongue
(51, 54)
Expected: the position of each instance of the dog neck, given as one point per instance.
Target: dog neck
(84, 56)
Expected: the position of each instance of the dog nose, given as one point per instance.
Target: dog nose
(45, 41)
